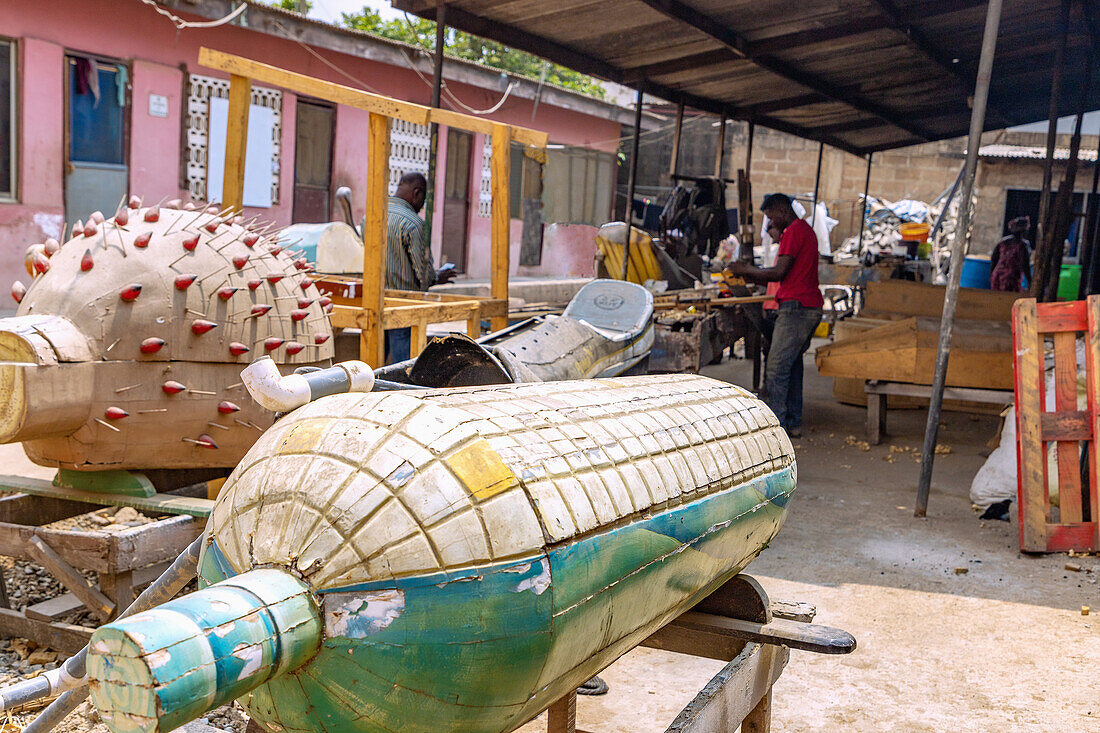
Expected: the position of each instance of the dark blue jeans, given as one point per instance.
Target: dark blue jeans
(794, 328)
(398, 345)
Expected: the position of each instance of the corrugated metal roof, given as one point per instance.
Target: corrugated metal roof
(1032, 152)
(861, 75)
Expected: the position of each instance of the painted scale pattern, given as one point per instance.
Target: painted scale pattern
(480, 551)
(160, 307)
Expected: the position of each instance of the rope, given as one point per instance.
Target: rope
(181, 24)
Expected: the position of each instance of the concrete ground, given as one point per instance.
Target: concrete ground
(1003, 647)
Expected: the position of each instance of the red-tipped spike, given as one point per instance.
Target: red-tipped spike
(86, 262)
(130, 292)
(200, 326)
(305, 283)
(227, 293)
(273, 343)
(293, 347)
(41, 262)
(325, 300)
(152, 214)
(142, 240)
(274, 251)
(227, 408)
(78, 228)
(189, 206)
(237, 348)
(301, 264)
(151, 345)
(274, 277)
(212, 209)
(90, 229)
(259, 309)
(212, 225)
(253, 284)
(51, 247)
(320, 338)
(115, 413)
(250, 239)
(122, 217)
(191, 242)
(172, 204)
(205, 441)
(18, 290)
(240, 261)
(327, 308)
(135, 202)
(305, 302)
(184, 281)
(97, 217)
(171, 387)
(299, 315)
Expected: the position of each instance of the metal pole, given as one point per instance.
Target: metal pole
(1052, 125)
(674, 163)
(817, 181)
(866, 194)
(433, 138)
(977, 123)
(720, 158)
(1089, 284)
(631, 180)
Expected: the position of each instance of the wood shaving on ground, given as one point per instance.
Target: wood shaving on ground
(852, 440)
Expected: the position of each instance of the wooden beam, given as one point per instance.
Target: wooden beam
(236, 142)
(341, 94)
(65, 638)
(500, 166)
(74, 582)
(372, 341)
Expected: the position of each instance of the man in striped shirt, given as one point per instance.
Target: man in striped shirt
(409, 263)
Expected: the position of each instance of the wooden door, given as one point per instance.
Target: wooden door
(97, 175)
(456, 198)
(313, 162)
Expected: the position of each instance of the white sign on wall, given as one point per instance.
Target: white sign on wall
(158, 105)
(258, 155)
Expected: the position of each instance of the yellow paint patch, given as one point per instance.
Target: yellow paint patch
(304, 436)
(480, 469)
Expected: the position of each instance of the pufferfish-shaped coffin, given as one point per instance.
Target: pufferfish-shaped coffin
(453, 559)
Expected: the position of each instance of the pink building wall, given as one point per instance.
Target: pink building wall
(159, 56)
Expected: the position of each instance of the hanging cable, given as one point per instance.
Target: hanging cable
(181, 24)
(326, 62)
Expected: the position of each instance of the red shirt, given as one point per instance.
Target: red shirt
(800, 242)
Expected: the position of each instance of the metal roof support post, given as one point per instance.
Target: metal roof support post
(748, 149)
(632, 180)
(674, 163)
(817, 181)
(866, 195)
(433, 140)
(958, 247)
(744, 201)
(720, 157)
(1089, 286)
(1052, 128)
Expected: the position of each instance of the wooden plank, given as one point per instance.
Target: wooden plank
(901, 297)
(876, 417)
(562, 715)
(962, 394)
(793, 634)
(734, 692)
(1072, 425)
(374, 103)
(54, 608)
(84, 550)
(163, 503)
(65, 638)
(236, 142)
(759, 719)
(371, 349)
(1066, 537)
(148, 544)
(67, 575)
(428, 313)
(500, 219)
(1060, 317)
(1065, 400)
(27, 509)
(1092, 382)
(1031, 476)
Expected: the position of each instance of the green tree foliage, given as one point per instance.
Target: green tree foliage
(298, 6)
(420, 32)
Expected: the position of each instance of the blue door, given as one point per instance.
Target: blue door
(96, 173)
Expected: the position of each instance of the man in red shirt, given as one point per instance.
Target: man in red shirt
(800, 303)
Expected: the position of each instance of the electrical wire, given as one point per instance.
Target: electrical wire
(182, 24)
(326, 62)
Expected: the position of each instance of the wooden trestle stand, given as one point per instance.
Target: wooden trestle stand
(380, 309)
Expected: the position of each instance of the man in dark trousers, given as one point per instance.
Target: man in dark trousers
(408, 256)
(800, 311)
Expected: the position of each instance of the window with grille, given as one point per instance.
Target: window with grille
(7, 119)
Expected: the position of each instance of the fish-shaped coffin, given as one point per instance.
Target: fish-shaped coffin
(477, 552)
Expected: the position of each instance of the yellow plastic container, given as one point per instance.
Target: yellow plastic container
(914, 232)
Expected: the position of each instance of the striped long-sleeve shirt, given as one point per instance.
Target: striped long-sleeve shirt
(409, 263)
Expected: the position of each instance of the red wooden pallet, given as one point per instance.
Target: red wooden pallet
(1066, 426)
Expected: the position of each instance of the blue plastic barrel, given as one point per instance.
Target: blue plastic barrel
(975, 274)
